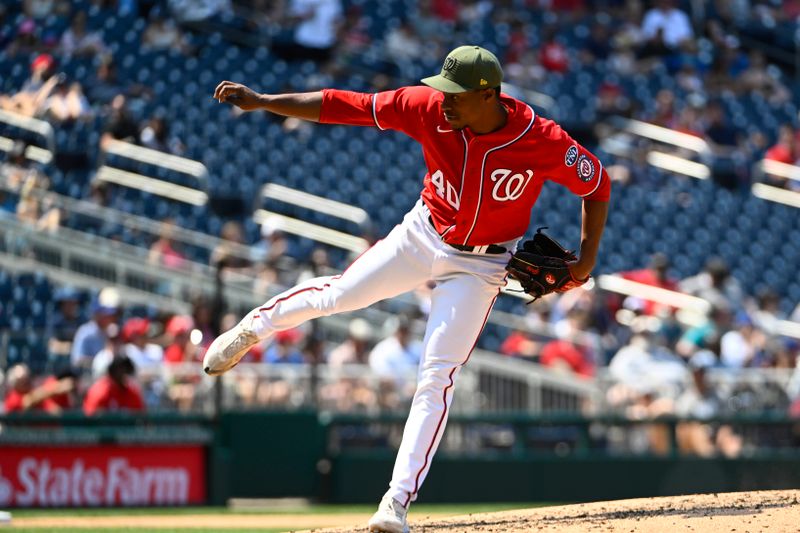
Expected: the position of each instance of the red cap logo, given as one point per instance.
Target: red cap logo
(550, 279)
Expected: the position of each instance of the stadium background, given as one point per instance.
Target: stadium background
(620, 390)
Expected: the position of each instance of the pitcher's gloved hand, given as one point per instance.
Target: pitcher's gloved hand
(541, 266)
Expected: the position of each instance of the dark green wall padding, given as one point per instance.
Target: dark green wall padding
(362, 478)
(278, 454)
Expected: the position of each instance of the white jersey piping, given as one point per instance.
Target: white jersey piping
(374, 113)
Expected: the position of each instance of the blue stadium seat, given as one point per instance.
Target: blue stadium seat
(6, 287)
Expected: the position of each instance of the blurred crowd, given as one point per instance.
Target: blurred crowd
(114, 359)
(723, 359)
(641, 353)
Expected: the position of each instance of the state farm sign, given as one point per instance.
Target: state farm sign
(101, 476)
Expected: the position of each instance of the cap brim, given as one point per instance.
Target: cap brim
(440, 83)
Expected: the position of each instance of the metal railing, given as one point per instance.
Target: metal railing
(34, 153)
(94, 262)
(536, 98)
(35, 125)
(774, 193)
(171, 191)
(156, 158)
(150, 229)
(621, 145)
(662, 135)
(502, 384)
(488, 383)
(124, 178)
(319, 204)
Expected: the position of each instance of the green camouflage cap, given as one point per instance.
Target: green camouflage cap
(465, 69)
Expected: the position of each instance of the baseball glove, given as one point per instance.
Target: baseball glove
(541, 266)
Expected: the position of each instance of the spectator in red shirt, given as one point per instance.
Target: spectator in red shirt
(181, 349)
(568, 5)
(689, 122)
(527, 343)
(785, 150)
(566, 353)
(23, 396)
(446, 10)
(20, 387)
(569, 352)
(520, 344)
(115, 391)
(182, 381)
(164, 251)
(63, 386)
(552, 54)
(518, 42)
(656, 275)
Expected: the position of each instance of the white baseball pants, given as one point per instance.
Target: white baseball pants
(467, 285)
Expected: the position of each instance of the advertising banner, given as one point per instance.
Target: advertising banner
(91, 476)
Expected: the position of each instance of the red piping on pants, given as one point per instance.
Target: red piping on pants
(444, 401)
(269, 308)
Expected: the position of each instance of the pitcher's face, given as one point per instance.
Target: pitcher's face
(465, 109)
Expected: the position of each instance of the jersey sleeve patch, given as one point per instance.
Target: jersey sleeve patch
(597, 185)
(571, 156)
(585, 168)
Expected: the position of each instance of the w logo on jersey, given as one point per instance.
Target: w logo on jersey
(508, 187)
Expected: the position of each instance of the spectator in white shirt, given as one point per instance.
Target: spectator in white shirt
(163, 34)
(355, 349)
(665, 28)
(92, 336)
(317, 26)
(319, 22)
(397, 355)
(199, 10)
(80, 42)
(739, 346)
(144, 355)
(67, 104)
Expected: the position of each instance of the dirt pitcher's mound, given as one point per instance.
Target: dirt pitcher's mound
(738, 512)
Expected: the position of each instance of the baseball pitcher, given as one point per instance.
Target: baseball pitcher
(487, 157)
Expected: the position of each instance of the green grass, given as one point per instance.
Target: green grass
(416, 509)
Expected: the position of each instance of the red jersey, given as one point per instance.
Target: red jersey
(480, 189)
(780, 153)
(173, 354)
(564, 352)
(58, 401)
(650, 277)
(53, 404)
(13, 402)
(106, 395)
